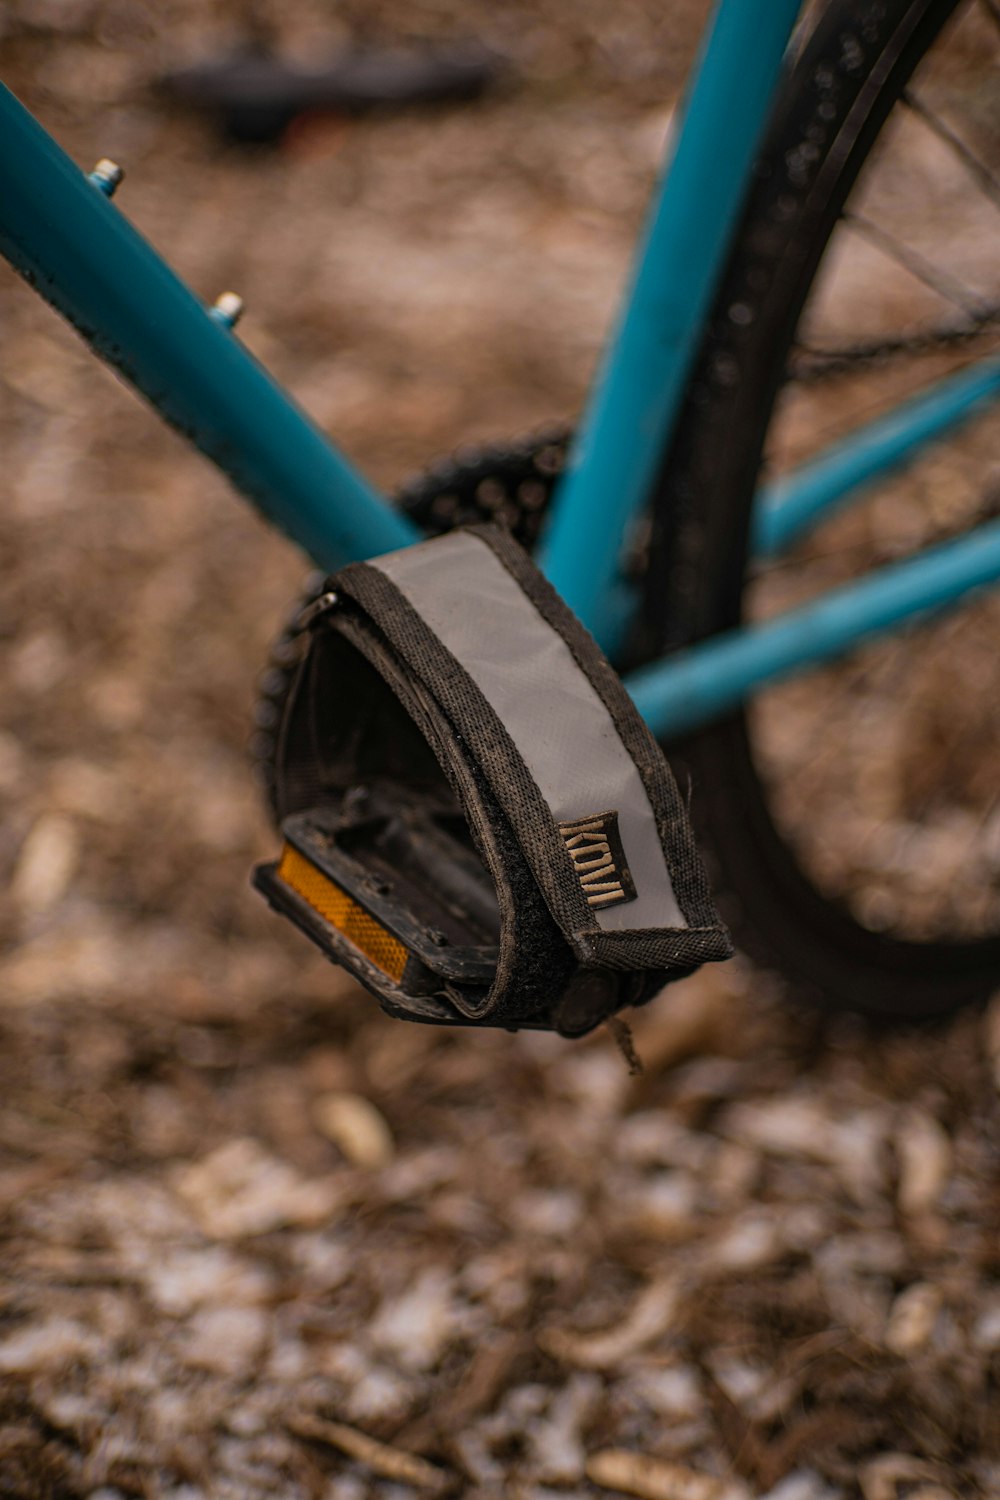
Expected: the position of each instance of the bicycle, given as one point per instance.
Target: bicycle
(649, 533)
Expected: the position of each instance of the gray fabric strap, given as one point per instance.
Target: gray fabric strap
(557, 721)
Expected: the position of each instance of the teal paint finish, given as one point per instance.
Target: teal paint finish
(78, 251)
(688, 690)
(59, 229)
(794, 503)
(623, 435)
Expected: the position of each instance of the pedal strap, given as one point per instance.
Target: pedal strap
(569, 802)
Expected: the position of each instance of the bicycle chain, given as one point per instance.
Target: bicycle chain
(511, 483)
(813, 366)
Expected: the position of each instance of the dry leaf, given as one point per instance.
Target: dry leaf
(879, 1479)
(554, 1440)
(800, 1126)
(925, 1158)
(226, 1340)
(912, 1319)
(354, 1125)
(50, 1345)
(46, 864)
(416, 1326)
(688, 1019)
(650, 1478)
(241, 1189)
(651, 1314)
(391, 1463)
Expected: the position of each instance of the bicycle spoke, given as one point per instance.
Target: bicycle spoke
(826, 363)
(867, 411)
(875, 865)
(977, 169)
(949, 288)
(800, 497)
(798, 562)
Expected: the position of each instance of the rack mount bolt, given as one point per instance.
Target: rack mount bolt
(106, 176)
(228, 309)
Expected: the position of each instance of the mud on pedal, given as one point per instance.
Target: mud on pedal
(476, 823)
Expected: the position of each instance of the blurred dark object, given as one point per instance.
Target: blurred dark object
(254, 95)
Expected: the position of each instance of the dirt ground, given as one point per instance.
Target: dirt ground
(255, 1239)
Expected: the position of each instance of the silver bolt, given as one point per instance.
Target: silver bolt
(316, 609)
(106, 176)
(228, 309)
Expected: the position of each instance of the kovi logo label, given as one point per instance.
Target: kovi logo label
(595, 847)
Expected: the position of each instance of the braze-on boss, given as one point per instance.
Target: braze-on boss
(476, 822)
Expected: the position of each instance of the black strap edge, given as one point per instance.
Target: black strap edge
(672, 821)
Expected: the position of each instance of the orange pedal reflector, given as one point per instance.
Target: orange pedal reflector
(343, 912)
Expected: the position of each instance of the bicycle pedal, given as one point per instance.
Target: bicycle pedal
(476, 822)
(385, 889)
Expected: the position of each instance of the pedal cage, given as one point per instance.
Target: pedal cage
(352, 884)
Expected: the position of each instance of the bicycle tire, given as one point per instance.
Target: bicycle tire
(835, 100)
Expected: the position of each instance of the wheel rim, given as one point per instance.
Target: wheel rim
(893, 813)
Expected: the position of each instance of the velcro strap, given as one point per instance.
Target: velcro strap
(567, 795)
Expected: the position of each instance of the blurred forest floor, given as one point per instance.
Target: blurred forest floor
(256, 1240)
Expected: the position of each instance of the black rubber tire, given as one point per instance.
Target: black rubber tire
(828, 115)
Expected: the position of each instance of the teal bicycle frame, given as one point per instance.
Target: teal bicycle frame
(59, 229)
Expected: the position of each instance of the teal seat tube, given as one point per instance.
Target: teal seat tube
(61, 232)
(622, 438)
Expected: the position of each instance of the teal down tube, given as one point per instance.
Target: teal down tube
(59, 230)
(686, 691)
(621, 440)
